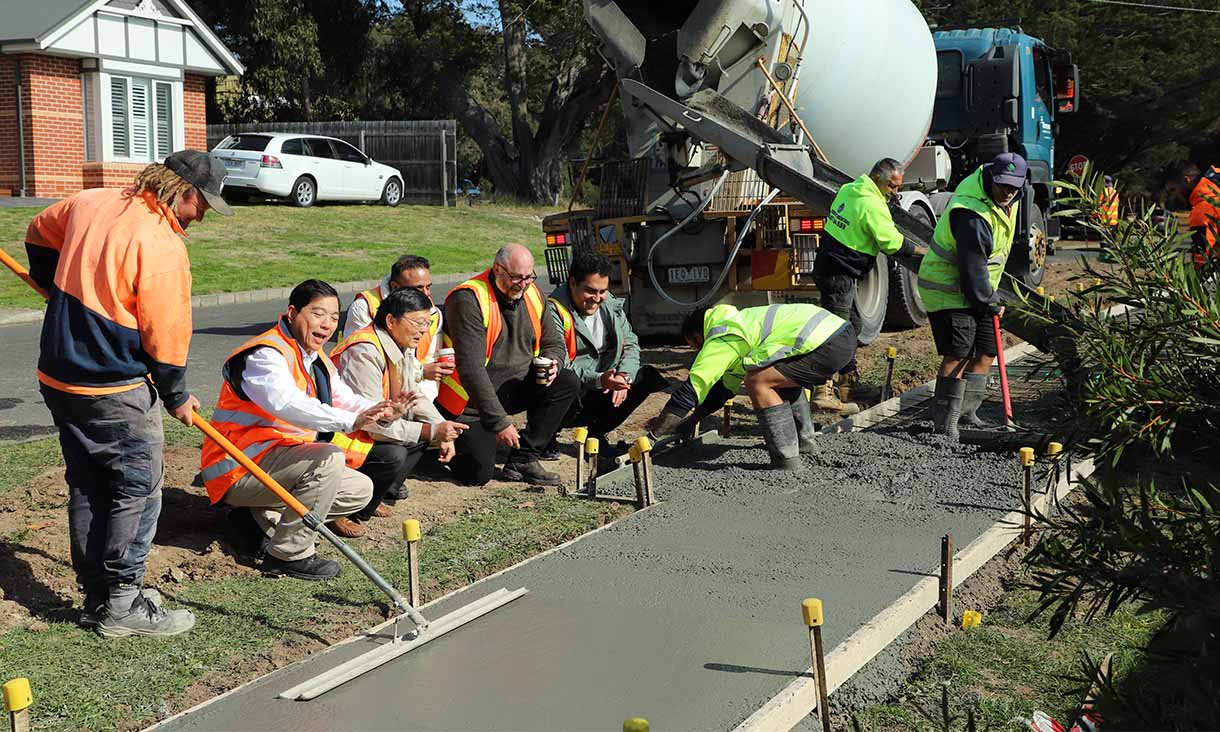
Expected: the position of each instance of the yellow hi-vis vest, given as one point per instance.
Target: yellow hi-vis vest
(940, 284)
(569, 327)
(860, 219)
(373, 298)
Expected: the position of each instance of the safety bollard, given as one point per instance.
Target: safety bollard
(811, 611)
(411, 532)
(17, 700)
(1027, 465)
(592, 447)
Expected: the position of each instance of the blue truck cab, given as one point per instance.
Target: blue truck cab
(1001, 90)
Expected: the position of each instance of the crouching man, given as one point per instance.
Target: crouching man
(778, 352)
(280, 404)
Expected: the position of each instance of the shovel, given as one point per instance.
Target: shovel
(1010, 434)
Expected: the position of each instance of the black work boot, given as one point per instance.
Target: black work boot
(779, 432)
(312, 568)
(806, 429)
(976, 392)
(947, 408)
(244, 533)
(530, 472)
(130, 612)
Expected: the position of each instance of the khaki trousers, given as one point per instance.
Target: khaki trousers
(315, 474)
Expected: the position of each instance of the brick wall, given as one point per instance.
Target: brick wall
(194, 115)
(55, 135)
(109, 175)
(8, 127)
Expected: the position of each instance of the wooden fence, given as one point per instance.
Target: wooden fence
(425, 151)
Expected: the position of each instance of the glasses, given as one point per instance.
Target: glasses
(518, 279)
(418, 324)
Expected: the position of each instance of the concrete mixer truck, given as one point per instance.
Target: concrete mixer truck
(744, 117)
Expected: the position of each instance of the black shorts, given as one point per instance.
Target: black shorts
(963, 333)
(811, 369)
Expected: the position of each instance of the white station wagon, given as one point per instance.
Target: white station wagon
(304, 169)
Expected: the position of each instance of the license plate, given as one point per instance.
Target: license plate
(690, 275)
(233, 164)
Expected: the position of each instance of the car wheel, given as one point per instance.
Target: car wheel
(392, 195)
(905, 306)
(1028, 263)
(304, 192)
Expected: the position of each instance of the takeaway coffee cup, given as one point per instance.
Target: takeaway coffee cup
(444, 355)
(542, 369)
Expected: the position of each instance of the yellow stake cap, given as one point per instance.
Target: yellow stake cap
(580, 434)
(1041, 290)
(1054, 449)
(592, 446)
(634, 453)
(644, 444)
(891, 352)
(17, 695)
(971, 619)
(635, 724)
(1096, 282)
(1027, 456)
(811, 609)
(410, 530)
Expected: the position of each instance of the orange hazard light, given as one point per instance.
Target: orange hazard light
(808, 225)
(557, 240)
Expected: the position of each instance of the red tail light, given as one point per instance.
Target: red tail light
(558, 239)
(805, 226)
(270, 161)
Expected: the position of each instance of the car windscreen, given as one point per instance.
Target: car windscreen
(253, 143)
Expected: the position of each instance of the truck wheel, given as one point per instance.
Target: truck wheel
(905, 307)
(1028, 263)
(872, 293)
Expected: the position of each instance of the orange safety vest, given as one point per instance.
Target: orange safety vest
(569, 327)
(1108, 213)
(373, 298)
(1205, 207)
(452, 395)
(248, 426)
(425, 340)
(356, 445)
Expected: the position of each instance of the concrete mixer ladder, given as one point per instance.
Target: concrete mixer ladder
(749, 143)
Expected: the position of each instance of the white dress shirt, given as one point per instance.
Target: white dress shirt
(268, 381)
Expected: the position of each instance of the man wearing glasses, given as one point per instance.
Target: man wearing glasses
(494, 324)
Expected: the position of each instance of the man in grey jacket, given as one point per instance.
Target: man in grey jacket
(601, 347)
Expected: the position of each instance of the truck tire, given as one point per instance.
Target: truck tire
(905, 307)
(1028, 263)
(872, 294)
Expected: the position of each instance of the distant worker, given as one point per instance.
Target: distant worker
(1106, 216)
(119, 311)
(777, 351)
(959, 282)
(1189, 187)
(509, 360)
(281, 402)
(602, 349)
(858, 227)
(378, 362)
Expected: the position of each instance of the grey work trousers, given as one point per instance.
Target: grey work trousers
(313, 472)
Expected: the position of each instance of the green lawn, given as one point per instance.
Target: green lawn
(270, 245)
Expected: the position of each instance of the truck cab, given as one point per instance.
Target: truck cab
(1001, 90)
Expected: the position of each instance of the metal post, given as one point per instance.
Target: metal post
(579, 435)
(444, 174)
(592, 447)
(362, 149)
(411, 532)
(728, 420)
(946, 578)
(1027, 465)
(811, 610)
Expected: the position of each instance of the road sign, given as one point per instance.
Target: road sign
(1076, 165)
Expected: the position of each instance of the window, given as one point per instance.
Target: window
(251, 143)
(948, 74)
(142, 118)
(294, 146)
(318, 148)
(348, 153)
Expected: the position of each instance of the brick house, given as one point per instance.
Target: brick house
(96, 89)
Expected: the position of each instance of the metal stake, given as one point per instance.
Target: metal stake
(592, 446)
(1027, 465)
(579, 435)
(644, 446)
(946, 578)
(811, 610)
(887, 390)
(411, 532)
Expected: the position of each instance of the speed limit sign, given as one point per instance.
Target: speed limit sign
(1077, 164)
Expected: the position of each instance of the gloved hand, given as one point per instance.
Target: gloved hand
(664, 423)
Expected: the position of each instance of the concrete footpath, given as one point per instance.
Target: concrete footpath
(221, 323)
(687, 613)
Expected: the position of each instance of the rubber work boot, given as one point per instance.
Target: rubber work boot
(141, 616)
(825, 399)
(312, 568)
(806, 429)
(779, 432)
(531, 472)
(858, 391)
(947, 408)
(976, 392)
(95, 606)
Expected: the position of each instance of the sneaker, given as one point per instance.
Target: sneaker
(95, 606)
(346, 527)
(531, 473)
(313, 568)
(382, 511)
(147, 618)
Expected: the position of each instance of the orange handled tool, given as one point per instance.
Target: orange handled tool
(310, 519)
(999, 349)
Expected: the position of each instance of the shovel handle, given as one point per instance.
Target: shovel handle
(272, 485)
(999, 349)
(22, 272)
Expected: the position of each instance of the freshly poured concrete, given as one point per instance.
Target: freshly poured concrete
(687, 614)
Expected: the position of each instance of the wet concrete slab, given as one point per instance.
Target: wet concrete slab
(687, 613)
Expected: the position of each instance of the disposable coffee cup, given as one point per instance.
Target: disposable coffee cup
(444, 355)
(542, 369)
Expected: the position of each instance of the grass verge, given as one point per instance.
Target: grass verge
(1007, 668)
(243, 619)
(270, 245)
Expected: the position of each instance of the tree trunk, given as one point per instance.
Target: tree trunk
(512, 20)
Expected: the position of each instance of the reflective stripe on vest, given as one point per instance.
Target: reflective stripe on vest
(939, 280)
(773, 333)
(251, 429)
(373, 298)
(569, 327)
(452, 395)
(356, 445)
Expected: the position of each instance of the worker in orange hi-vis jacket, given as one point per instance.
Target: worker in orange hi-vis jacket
(114, 343)
(1188, 186)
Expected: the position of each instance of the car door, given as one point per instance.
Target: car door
(360, 179)
(327, 169)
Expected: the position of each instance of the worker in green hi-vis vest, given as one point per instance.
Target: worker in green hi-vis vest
(959, 281)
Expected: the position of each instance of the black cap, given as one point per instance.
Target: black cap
(205, 173)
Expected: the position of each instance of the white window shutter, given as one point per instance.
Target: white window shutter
(140, 148)
(120, 124)
(164, 120)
